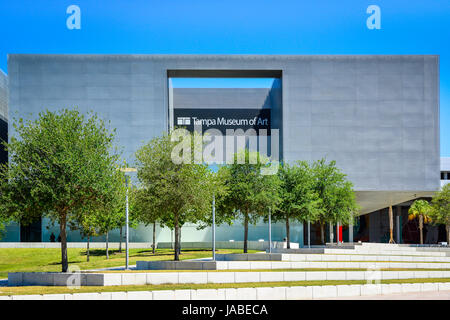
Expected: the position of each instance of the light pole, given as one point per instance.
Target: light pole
(270, 231)
(126, 170)
(214, 228)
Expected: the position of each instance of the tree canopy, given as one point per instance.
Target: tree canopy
(178, 192)
(63, 165)
(337, 198)
(440, 212)
(250, 193)
(420, 209)
(299, 200)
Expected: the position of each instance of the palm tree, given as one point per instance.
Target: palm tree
(420, 209)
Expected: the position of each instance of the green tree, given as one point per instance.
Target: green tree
(61, 166)
(420, 209)
(299, 200)
(145, 210)
(179, 192)
(2, 228)
(4, 220)
(250, 193)
(87, 225)
(440, 212)
(337, 198)
(113, 217)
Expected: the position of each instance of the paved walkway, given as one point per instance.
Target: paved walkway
(431, 295)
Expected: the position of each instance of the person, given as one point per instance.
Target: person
(59, 238)
(52, 237)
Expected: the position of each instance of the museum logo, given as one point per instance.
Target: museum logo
(183, 121)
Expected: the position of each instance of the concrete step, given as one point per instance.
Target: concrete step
(388, 252)
(337, 255)
(203, 277)
(261, 293)
(361, 257)
(255, 265)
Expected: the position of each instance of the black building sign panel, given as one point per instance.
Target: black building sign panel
(222, 119)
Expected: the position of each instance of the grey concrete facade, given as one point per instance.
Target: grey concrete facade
(376, 115)
(3, 96)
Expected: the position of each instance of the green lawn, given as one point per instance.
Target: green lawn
(55, 290)
(49, 259)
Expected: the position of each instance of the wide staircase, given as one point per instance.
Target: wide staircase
(338, 271)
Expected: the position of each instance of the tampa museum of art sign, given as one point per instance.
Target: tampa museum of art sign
(219, 134)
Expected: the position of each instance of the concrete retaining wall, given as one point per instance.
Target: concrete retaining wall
(392, 249)
(301, 250)
(360, 257)
(398, 252)
(225, 265)
(326, 257)
(132, 278)
(255, 265)
(176, 265)
(249, 257)
(264, 293)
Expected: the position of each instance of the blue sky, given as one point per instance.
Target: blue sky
(233, 27)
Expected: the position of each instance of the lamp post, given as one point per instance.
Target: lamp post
(214, 228)
(270, 231)
(126, 170)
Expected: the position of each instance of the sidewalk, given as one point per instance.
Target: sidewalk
(431, 295)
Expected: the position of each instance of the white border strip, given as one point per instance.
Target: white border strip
(263, 293)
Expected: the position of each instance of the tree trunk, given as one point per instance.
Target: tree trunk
(322, 232)
(391, 225)
(177, 257)
(62, 232)
(421, 228)
(246, 232)
(120, 240)
(107, 251)
(288, 233)
(331, 233)
(87, 248)
(154, 238)
(179, 241)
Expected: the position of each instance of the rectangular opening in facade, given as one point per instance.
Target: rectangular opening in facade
(244, 102)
